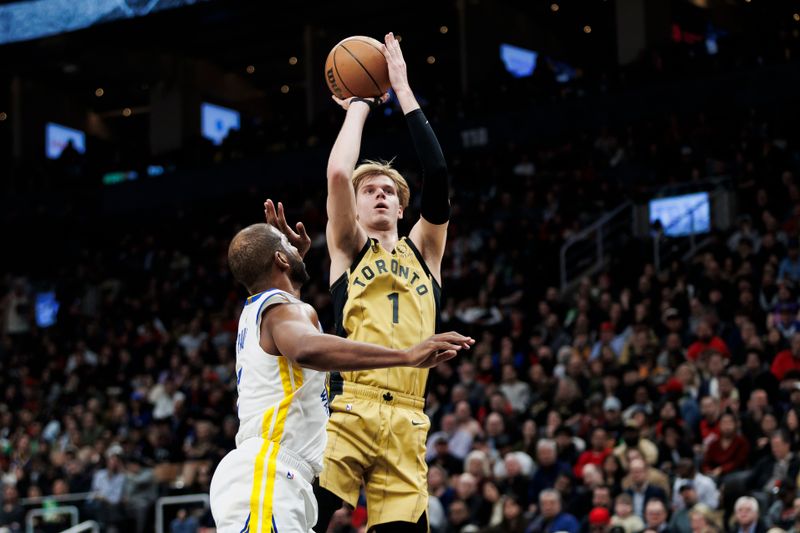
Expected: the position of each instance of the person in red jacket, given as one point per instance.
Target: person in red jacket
(787, 359)
(596, 454)
(729, 452)
(706, 340)
(709, 424)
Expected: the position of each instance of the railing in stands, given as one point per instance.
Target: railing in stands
(586, 252)
(72, 497)
(176, 500)
(70, 510)
(89, 525)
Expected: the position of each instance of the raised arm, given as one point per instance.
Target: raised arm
(345, 235)
(288, 329)
(429, 234)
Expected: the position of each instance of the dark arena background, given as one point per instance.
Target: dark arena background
(623, 246)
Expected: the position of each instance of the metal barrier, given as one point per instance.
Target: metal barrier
(73, 497)
(585, 253)
(175, 500)
(89, 525)
(71, 510)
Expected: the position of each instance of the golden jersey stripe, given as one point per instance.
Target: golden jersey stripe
(271, 432)
(275, 437)
(266, 422)
(266, 515)
(258, 478)
(280, 421)
(283, 408)
(298, 376)
(286, 380)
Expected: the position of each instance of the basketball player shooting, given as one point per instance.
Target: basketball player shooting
(265, 484)
(385, 290)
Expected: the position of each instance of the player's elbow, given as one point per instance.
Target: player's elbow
(310, 355)
(338, 173)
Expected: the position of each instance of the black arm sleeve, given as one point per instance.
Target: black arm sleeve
(435, 206)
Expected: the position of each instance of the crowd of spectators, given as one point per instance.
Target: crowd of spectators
(642, 400)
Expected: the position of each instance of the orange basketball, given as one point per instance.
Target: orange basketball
(356, 67)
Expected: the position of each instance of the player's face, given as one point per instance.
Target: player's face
(377, 203)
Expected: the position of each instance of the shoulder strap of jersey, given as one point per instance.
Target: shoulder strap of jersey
(356, 260)
(421, 259)
(270, 298)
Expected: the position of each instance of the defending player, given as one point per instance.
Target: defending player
(385, 290)
(281, 358)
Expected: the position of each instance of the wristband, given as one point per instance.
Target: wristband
(371, 102)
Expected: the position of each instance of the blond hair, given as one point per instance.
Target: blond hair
(370, 169)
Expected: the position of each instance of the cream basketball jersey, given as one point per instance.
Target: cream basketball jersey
(278, 400)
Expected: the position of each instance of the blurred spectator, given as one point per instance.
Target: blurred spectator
(438, 486)
(706, 340)
(12, 514)
(17, 310)
(548, 468)
(704, 486)
(709, 424)
(789, 268)
(599, 520)
(608, 340)
(596, 454)
(108, 490)
(681, 522)
(437, 518)
(787, 360)
(459, 441)
(512, 521)
(786, 322)
(551, 518)
(458, 517)
(641, 491)
(165, 396)
(729, 452)
(183, 523)
(443, 458)
(745, 231)
(632, 439)
(746, 516)
(655, 516)
(781, 463)
(468, 492)
(141, 489)
(783, 513)
(702, 520)
(516, 478)
(517, 392)
(624, 516)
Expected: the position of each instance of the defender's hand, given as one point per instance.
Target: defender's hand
(299, 239)
(437, 349)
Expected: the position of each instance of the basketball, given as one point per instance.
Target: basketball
(356, 67)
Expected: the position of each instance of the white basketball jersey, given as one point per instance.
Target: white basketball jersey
(278, 400)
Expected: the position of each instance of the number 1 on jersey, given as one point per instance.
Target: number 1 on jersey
(395, 298)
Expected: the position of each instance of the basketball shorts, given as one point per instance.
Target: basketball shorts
(378, 437)
(260, 488)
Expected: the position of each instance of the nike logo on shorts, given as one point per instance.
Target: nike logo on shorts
(416, 423)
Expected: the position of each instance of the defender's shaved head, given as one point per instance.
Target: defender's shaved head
(252, 253)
